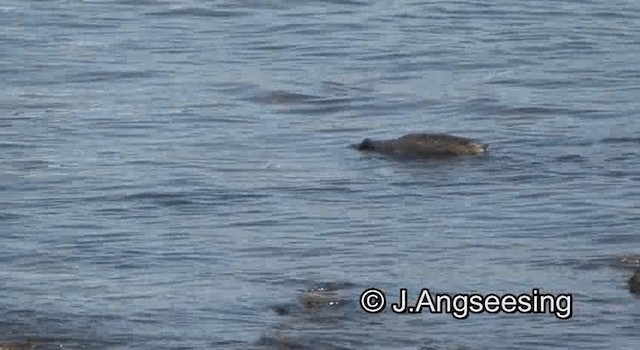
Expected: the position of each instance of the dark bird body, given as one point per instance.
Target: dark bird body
(422, 145)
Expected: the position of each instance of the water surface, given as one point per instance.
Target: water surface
(170, 170)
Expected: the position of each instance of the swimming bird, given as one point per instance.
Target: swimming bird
(423, 145)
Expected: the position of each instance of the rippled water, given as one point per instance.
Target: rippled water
(170, 170)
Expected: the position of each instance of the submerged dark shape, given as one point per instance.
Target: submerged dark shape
(422, 145)
(634, 283)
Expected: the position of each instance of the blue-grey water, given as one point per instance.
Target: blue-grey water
(170, 170)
